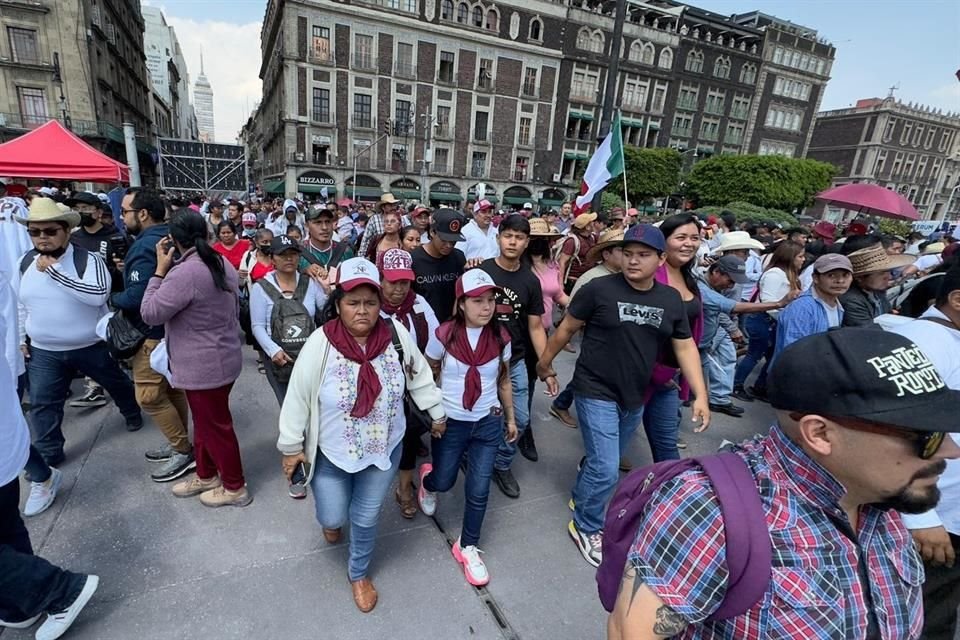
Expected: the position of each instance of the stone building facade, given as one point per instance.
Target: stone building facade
(912, 149)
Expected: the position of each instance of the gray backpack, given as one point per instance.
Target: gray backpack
(290, 324)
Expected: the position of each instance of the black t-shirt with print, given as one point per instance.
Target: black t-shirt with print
(625, 330)
(522, 297)
(436, 279)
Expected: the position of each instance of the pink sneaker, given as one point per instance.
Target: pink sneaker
(426, 499)
(473, 568)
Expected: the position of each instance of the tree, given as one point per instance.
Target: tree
(773, 182)
(651, 173)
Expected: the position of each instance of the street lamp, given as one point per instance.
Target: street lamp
(62, 100)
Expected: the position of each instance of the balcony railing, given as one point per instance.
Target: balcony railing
(687, 103)
(714, 108)
(733, 138)
(707, 134)
(405, 70)
(684, 132)
(583, 95)
(739, 114)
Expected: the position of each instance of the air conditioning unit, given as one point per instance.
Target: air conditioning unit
(556, 177)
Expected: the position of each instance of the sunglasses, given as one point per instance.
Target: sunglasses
(927, 443)
(47, 233)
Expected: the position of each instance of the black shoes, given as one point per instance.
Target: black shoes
(741, 394)
(507, 483)
(728, 409)
(527, 447)
(760, 393)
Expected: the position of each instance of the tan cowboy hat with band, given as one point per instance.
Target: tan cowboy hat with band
(875, 259)
(542, 228)
(734, 240)
(46, 210)
(609, 238)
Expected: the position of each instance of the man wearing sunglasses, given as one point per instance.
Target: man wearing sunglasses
(937, 531)
(860, 435)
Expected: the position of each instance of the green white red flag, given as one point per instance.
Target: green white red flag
(605, 165)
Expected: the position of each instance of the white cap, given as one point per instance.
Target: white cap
(357, 271)
(528, 205)
(474, 282)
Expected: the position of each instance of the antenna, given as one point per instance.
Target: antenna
(201, 61)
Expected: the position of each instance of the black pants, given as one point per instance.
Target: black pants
(279, 388)
(941, 597)
(411, 440)
(29, 585)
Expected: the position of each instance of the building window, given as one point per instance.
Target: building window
(659, 96)
(478, 164)
(398, 158)
(721, 68)
(740, 107)
(403, 118)
(523, 132)
(485, 74)
(445, 72)
(748, 73)
(715, 102)
(321, 43)
(888, 130)
(462, 12)
(694, 62)
(361, 153)
(493, 20)
(404, 64)
(363, 52)
(536, 29)
(634, 95)
(33, 106)
(918, 135)
(880, 162)
(321, 105)
(779, 117)
(23, 45)
(710, 129)
(446, 10)
(734, 134)
(480, 123)
(590, 41)
(530, 81)
(441, 161)
(320, 153)
(905, 134)
(443, 120)
(477, 17)
(520, 169)
(682, 126)
(791, 88)
(666, 58)
(776, 148)
(929, 141)
(362, 111)
(687, 98)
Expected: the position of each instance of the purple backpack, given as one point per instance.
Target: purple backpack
(749, 553)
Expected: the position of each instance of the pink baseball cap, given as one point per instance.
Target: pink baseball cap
(249, 218)
(396, 265)
(474, 283)
(355, 272)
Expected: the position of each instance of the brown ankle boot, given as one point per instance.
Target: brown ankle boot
(364, 594)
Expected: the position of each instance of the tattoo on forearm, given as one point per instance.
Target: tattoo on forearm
(668, 622)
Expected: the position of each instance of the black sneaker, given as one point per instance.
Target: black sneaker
(759, 393)
(741, 394)
(94, 397)
(135, 425)
(728, 409)
(527, 447)
(178, 465)
(507, 483)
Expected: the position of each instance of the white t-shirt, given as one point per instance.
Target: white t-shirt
(421, 306)
(928, 261)
(453, 374)
(14, 434)
(479, 244)
(773, 286)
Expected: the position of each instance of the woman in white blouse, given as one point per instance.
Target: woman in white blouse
(343, 417)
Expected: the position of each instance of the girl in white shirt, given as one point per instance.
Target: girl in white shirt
(473, 359)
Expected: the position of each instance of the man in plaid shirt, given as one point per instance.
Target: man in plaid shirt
(853, 445)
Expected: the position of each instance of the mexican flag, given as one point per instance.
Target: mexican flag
(605, 165)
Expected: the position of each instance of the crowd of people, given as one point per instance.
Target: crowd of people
(383, 329)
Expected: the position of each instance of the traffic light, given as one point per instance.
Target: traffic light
(386, 127)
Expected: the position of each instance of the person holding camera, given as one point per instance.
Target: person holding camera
(342, 423)
(144, 214)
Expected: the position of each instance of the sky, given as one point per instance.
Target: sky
(880, 43)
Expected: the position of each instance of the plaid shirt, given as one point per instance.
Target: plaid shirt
(815, 589)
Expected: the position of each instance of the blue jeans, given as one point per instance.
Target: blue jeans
(606, 429)
(564, 399)
(518, 379)
(661, 421)
(719, 362)
(760, 331)
(50, 373)
(340, 496)
(479, 441)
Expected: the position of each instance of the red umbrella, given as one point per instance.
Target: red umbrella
(871, 199)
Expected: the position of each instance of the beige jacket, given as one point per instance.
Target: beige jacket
(300, 414)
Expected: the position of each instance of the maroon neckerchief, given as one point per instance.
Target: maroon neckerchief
(488, 348)
(368, 382)
(403, 312)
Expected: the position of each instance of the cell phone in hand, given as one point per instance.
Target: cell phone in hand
(300, 473)
(119, 246)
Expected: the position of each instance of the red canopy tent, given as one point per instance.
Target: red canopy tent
(52, 151)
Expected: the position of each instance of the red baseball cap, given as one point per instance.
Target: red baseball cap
(396, 265)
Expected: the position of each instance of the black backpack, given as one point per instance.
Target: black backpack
(290, 324)
(79, 260)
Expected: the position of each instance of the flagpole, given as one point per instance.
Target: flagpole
(626, 198)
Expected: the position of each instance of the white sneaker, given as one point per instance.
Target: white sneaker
(42, 494)
(426, 499)
(473, 568)
(57, 624)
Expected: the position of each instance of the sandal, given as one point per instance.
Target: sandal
(408, 507)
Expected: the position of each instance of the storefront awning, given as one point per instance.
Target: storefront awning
(630, 122)
(581, 116)
(315, 188)
(405, 194)
(366, 193)
(573, 155)
(276, 186)
(550, 203)
(445, 197)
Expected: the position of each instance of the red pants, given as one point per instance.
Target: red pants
(215, 443)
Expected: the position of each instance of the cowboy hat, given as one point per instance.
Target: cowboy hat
(582, 220)
(733, 240)
(609, 238)
(46, 210)
(388, 198)
(874, 259)
(541, 228)
(826, 231)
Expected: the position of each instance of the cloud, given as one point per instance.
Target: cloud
(231, 61)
